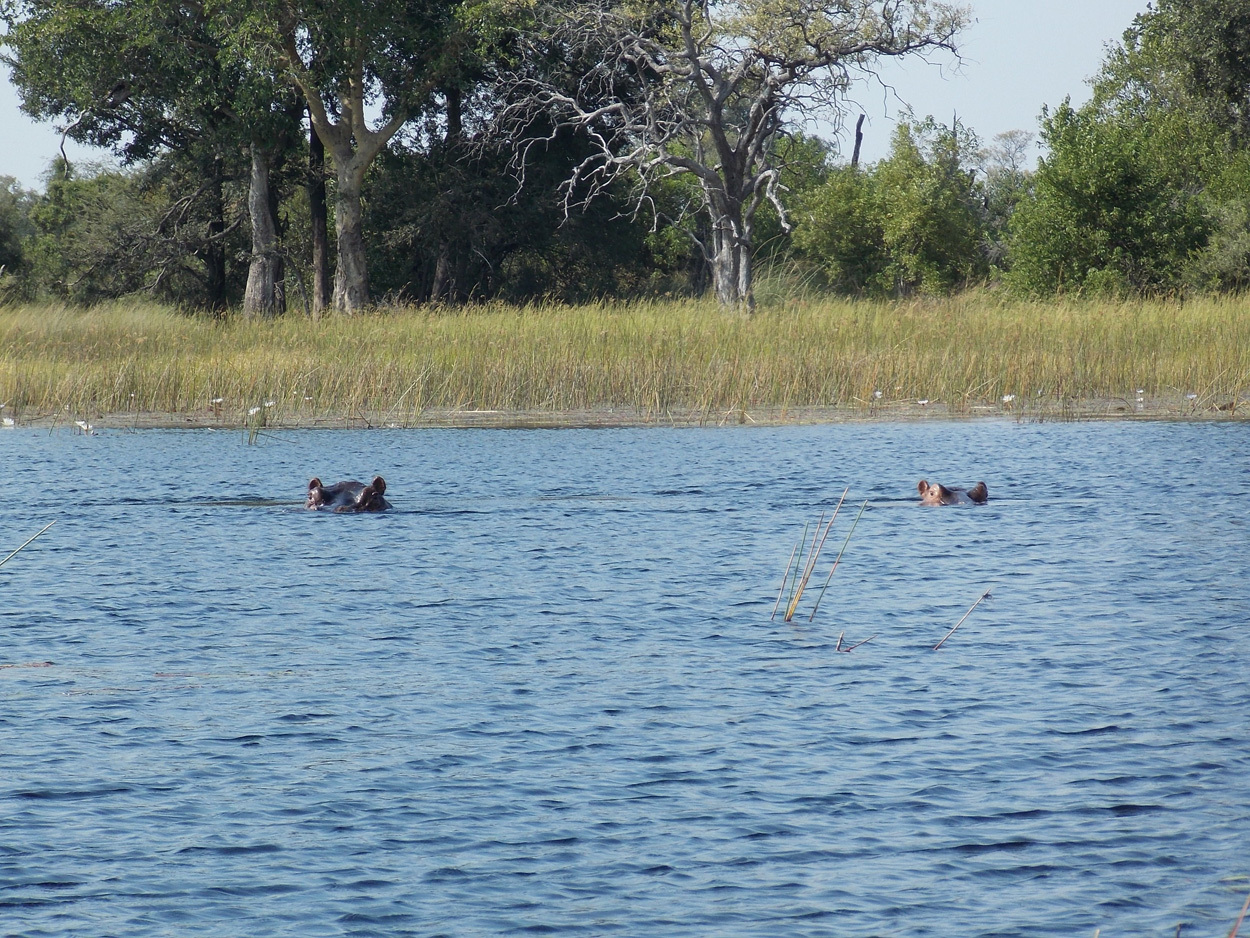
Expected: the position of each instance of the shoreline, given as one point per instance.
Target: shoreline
(606, 417)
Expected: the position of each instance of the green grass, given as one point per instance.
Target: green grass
(965, 353)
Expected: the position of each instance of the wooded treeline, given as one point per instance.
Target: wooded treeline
(279, 154)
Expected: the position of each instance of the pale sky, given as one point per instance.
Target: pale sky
(1017, 56)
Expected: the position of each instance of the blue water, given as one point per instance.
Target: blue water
(545, 695)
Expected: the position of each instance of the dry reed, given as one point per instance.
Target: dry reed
(26, 543)
(961, 621)
(973, 353)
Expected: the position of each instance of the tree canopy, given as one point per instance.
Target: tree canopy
(685, 87)
(578, 148)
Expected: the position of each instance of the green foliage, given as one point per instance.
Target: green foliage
(1224, 263)
(912, 223)
(499, 241)
(1110, 209)
(110, 233)
(840, 229)
(15, 229)
(1204, 45)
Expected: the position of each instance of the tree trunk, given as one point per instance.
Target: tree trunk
(320, 228)
(263, 272)
(443, 282)
(214, 252)
(442, 272)
(746, 277)
(730, 264)
(351, 272)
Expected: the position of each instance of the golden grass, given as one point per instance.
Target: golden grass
(967, 353)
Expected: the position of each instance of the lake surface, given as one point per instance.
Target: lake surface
(544, 694)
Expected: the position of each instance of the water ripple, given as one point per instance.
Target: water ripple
(545, 695)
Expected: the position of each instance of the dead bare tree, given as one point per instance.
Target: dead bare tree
(701, 88)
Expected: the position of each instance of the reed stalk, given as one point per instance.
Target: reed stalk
(837, 559)
(785, 579)
(1240, 918)
(961, 621)
(26, 542)
(850, 648)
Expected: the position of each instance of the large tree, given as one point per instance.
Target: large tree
(704, 88)
(156, 80)
(365, 68)
(1206, 43)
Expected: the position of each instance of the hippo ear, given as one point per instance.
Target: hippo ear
(979, 493)
(314, 483)
(922, 486)
(379, 485)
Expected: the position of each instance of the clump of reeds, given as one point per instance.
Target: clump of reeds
(798, 575)
(977, 352)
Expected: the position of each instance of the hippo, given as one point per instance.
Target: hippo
(347, 496)
(933, 494)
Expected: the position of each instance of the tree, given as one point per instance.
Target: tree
(15, 228)
(673, 87)
(1206, 43)
(1183, 70)
(911, 223)
(153, 80)
(1109, 210)
(1007, 178)
(346, 57)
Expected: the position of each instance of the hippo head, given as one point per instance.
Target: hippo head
(932, 493)
(316, 495)
(369, 499)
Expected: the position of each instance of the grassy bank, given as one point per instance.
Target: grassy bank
(638, 361)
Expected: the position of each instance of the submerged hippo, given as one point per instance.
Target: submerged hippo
(347, 496)
(933, 494)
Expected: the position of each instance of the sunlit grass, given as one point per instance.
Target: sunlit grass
(965, 354)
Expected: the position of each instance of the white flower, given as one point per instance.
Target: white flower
(270, 403)
(217, 400)
(1008, 398)
(253, 411)
(923, 403)
(877, 395)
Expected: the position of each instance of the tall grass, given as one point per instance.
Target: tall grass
(653, 359)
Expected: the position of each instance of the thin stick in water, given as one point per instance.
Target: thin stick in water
(785, 579)
(857, 644)
(794, 584)
(28, 540)
(1240, 918)
(836, 561)
(961, 621)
